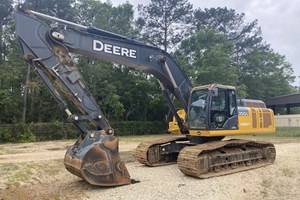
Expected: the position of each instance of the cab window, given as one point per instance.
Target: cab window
(223, 109)
(197, 110)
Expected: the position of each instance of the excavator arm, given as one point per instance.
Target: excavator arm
(52, 46)
(48, 44)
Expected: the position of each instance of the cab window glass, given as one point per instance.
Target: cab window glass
(197, 110)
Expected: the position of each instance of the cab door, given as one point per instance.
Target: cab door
(222, 109)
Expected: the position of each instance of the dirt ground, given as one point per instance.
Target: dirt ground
(36, 171)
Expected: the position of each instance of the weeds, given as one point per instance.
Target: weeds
(15, 174)
(5, 151)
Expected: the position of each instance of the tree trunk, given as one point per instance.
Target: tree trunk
(26, 94)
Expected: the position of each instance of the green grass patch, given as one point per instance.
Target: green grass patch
(6, 168)
(282, 135)
(51, 169)
(21, 174)
(287, 132)
(141, 138)
(5, 151)
(283, 132)
(14, 174)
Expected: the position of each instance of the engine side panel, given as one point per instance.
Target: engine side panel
(251, 121)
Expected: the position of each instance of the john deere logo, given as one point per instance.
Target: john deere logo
(113, 49)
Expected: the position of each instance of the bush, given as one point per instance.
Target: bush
(59, 130)
(5, 134)
(54, 131)
(16, 133)
(139, 127)
(24, 134)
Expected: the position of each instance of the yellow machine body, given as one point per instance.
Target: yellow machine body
(251, 121)
(252, 115)
(259, 121)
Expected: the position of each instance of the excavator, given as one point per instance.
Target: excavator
(208, 113)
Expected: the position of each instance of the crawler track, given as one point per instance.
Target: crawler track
(224, 157)
(206, 160)
(154, 153)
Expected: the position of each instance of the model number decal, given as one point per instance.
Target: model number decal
(113, 49)
(244, 113)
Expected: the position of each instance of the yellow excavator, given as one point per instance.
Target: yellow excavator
(208, 114)
(213, 113)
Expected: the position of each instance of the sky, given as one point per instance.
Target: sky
(278, 19)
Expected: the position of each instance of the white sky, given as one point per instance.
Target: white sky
(279, 20)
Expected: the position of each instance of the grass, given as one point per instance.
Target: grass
(284, 132)
(22, 174)
(51, 169)
(141, 138)
(5, 151)
(282, 135)
(6, 167)
(14, 174)
(288, 132)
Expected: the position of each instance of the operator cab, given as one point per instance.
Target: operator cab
(213, 107)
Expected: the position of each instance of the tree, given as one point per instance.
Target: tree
(246, 37)
(267, 74)
(61, 9)
(9, 85)
(11, 74)
(123, 93)
(116, 19)
(207, 58)
(5, 20)
(256, 62)
(165, 22)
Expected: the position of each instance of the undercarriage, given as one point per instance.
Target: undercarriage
(209, 159)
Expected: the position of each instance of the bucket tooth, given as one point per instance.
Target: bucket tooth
(96, 160)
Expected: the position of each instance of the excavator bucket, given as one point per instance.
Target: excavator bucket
(96, 160)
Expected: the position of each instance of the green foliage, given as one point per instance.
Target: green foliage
(139, 127)
(246, 36)
(288, 132)
(58, 130)
(11, 88)
(267, 74)
(5, 134)
(166, 22)
(16, 133)
(54, 131)
(261, 72)
(24, 134)
(209, 59)
(122, 93)
(5, 21)
(117, 19)
(61, 9)
(113, 104)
